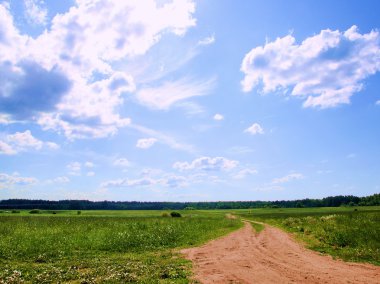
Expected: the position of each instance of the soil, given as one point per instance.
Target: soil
(272, 256)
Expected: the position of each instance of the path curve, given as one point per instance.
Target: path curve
(271, 257)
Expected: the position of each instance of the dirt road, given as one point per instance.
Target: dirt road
(271, 257)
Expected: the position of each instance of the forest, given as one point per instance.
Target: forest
(332, 201)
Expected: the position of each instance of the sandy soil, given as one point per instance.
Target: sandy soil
(271, 257)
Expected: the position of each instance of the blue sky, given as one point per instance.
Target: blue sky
(189, 100)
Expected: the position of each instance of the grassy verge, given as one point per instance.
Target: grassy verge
(89, 249)
(352, 235)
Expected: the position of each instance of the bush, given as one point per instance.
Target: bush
(15, 211)
(175, 214)
(79, 212)
(34, 211)
(165, 214)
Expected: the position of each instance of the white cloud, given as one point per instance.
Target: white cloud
(52, 145)
(122, 162)
(81, 88)
(268, 188)
(145, 181)
(35, 12)
(378, 103)
(218, 117)
(326, 69)
(4, 119)
(146, 143)
(6, 149)
(163, 138)
(207, 164)
(175, 181)
(58, 180)
(90, 174)
(207, 41)
(22, 142)
(89, 164)
(74, 168)
(7, 180)
(167, 180)
(255, 129)
(62, 179)
(244, 173)
(288, 178)
(169, 93)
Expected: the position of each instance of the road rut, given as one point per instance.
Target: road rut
(271, 256)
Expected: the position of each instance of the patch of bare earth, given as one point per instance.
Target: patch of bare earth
(271, 257)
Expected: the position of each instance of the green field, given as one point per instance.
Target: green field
(350, 233)
(102, 246)
(142, 246)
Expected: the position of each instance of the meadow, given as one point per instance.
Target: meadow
(142, 246)
(349, 233)
(102, 246)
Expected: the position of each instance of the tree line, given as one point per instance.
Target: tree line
(332, 201)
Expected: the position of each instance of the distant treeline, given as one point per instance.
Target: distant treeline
(333, 201)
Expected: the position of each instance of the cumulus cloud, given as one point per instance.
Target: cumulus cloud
(326, 69)
(35, 12)
(6, 149)
(167, 180)
(218, 117)
(207, 164)
(255, 129)
(7, 180)
(145, 181)
(146, 143)
(89, 164)
(163, 97)
(58, 180)
(22, 142)
(26, 89)
(244, 173)
(175, 181)
(74, 168)
(73, 85)
(288, 178)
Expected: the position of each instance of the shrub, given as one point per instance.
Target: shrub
(15, 211)
(175, 214)
(34, 211)
(165, 214)
(79, 212)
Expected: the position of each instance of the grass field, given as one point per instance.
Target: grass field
(102, 246)
(140, 246)
(350, 233)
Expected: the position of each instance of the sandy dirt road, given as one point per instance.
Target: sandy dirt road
(271, 257)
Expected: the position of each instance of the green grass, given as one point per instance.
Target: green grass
(353, 235)
(257, 226)
(102, 246)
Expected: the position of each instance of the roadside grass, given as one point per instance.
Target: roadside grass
(258, 227)
(352, 235)
(108, 248)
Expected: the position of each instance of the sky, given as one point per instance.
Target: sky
(189, 100)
